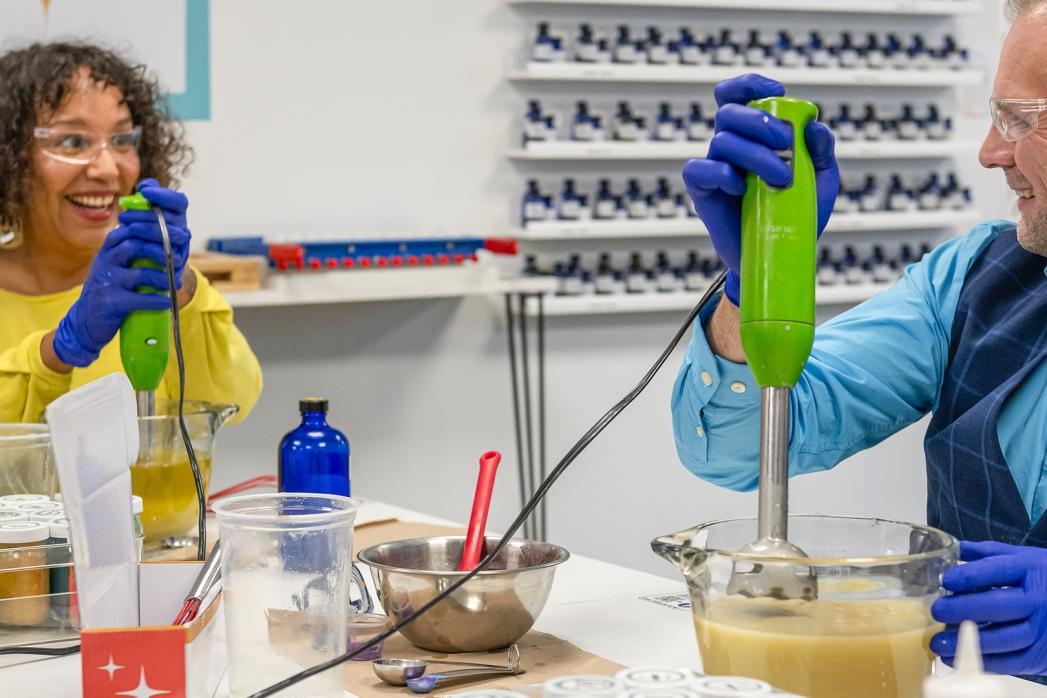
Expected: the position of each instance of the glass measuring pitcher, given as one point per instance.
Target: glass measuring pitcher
(26, 464)
(867, 633)
(162, 476)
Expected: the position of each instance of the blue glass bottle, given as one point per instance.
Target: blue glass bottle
(314, 457)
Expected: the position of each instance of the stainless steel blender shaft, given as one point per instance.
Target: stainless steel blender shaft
(773, 512)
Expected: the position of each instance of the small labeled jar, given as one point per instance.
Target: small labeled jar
(24, 577)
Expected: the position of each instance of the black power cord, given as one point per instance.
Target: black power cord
(41, 651)
(543, 488)
(201, 519)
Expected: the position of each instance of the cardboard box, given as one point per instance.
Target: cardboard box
(157, 658)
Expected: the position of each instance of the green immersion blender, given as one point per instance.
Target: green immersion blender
(145, 340)
(779, 240)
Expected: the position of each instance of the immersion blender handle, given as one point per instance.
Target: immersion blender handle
(779, 249)
(145, 334)
(474, 539)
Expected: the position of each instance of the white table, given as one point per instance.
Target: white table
(594, 605)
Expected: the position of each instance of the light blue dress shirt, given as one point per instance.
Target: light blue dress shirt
(874, 370)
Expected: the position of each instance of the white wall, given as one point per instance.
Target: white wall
(339, 118)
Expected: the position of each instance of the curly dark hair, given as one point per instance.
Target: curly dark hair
(36, 80)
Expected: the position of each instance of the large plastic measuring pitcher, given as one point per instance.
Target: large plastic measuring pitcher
(162, 476)
(867, 634)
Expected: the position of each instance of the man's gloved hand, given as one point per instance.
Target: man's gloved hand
(109, 294)
(1003, 588)
(745, 141)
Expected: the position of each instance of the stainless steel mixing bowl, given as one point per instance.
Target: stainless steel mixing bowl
(492, 610)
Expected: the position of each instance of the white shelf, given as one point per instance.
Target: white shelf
(684, 150)
(677, 302)
(939, 8)
(706, 75)
(356, 286)
(684, 227)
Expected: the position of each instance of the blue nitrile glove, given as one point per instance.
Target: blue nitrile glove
(745, 141)
(1003, 588)
(108, 294)
(173, 205)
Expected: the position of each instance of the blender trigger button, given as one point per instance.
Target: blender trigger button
(151, 342)
(738, 387)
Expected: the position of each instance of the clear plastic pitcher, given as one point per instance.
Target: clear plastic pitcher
(867, 633)
(162, 476)
(26, 464)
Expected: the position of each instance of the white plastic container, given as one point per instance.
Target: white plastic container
(968, 680)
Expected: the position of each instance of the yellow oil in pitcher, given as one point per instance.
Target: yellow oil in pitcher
(821, 649)
(164, 481)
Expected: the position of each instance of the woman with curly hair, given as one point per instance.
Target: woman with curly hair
(80, 127)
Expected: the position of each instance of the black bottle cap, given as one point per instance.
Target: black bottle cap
(312, 404)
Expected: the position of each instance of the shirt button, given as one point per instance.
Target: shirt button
(700, 432)
(706, 378)
(738, 387)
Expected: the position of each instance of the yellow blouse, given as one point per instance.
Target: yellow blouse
(219, 365)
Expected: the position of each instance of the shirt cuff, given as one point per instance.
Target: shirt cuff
(716, 380)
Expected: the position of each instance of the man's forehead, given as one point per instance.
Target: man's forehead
(1022, 72)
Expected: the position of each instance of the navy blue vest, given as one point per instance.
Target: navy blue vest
(999, 336)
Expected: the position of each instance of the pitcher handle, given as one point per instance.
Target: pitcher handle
(367, 602)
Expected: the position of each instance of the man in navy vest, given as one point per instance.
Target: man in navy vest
(962, 335)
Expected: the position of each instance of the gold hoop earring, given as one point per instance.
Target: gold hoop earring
(10, 234)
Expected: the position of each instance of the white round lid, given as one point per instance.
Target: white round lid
(491, 693)
(59, 528)
(582, 685)
(47, 516)
(33, 507)
(11, 515)
(655, 692)
(137, 504)
(15, 532)
(655, 677)
(731, 687)
(23, 498)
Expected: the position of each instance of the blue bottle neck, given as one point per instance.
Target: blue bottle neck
(314, 419)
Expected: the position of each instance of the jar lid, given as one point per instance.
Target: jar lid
(23, 498)
(655, 677)
(11, 515)
(47, 516)
(137, 504)
(731, 687)
(655, 692)
(59, 528)
(582, 685)
(15, 532)
(491, 693)
(33, 507)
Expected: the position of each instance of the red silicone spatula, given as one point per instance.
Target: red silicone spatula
(474, 537)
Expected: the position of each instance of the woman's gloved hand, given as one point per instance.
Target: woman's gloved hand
(109, 293)
(745, 141)
(1003, 588)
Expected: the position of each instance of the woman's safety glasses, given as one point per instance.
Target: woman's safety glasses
(78, 147)
(1016, 118)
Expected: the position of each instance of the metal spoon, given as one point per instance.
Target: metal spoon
(397, 672)
(428, 682)
(784, 580)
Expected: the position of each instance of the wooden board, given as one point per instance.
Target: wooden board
(229, 272)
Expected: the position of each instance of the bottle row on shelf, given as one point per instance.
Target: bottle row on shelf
(634, 202)
(670, 124)
(762, 49)
(936, 192)
(608, 274)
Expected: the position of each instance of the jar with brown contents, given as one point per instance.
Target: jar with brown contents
(24, 583)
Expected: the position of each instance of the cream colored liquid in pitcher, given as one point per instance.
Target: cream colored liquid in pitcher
(821, 649)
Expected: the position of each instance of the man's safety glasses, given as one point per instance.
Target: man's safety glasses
(78, 147)
(1016, 118)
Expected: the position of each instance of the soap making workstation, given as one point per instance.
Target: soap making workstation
(125, 572)
(818, 606)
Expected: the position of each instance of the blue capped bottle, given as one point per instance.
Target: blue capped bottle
(314, 457)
